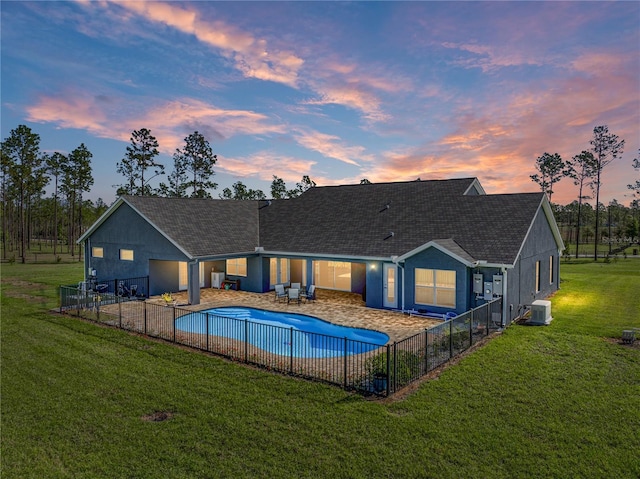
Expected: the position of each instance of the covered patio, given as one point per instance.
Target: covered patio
(347, 309)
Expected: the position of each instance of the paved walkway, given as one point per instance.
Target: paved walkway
(346, 309)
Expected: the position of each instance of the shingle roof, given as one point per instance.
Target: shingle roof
(355, 220)
(362, 221)
(200, 226)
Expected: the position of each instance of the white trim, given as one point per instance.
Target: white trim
(478, 187)
(548, 213)
(439, 247)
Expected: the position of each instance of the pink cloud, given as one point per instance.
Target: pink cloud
(169, 122)
(263, 165)
(351, 97)
(330, 146)
(254, 57)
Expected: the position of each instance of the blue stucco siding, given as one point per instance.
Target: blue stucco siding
(432, 258)
(125, 229)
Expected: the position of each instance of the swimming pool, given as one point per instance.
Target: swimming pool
(287, 334)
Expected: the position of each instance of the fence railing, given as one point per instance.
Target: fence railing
(353, 365)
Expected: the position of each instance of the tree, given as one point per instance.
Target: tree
(278, 188)
(55, 166)
(76, 180)
(581, 168)
(301, 187)
(23, 164)
(365, 181)
(177, 187)
(635, 188)
(606, 147)
(551, 169)
(241, 192)
(198, 159)
(139, 158)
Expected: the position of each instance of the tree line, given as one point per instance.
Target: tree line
(585, 169)
(60, 219)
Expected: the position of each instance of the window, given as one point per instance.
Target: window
(97, 252)
(126, 254)
(278, 270)
(237, 267)
(550, 269)
(435, 287)
(332, 275)
(537, 276)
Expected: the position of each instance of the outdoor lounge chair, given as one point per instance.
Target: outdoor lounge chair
(310, 294)
(280, 292)
(294, 295)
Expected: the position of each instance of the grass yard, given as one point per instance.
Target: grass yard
(79, 400)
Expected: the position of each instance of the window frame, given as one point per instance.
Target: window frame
(433, 288)
(94, 251)
(233, 267)
(123, 254)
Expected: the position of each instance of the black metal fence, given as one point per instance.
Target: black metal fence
(353, 365)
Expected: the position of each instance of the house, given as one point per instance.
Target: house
(431, 246)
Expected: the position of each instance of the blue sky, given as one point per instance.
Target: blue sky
(388, 91)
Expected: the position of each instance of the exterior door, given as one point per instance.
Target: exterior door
(390, 299)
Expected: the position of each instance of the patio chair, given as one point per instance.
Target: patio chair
(280, 292)
(310, 294)
(294, 295)
(295, 286)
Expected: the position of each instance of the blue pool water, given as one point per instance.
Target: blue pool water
(288, 334)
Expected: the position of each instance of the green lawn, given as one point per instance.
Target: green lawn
(556, 401)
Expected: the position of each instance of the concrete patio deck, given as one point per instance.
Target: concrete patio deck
(347, 309)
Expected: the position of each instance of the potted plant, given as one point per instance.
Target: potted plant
(376, 367)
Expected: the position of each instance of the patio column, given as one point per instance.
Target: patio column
(193, 288)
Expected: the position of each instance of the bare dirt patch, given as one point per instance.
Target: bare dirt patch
(158, 416)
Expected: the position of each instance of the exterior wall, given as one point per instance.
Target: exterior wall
(257, 274)
(540, 245)
(125, 229)
(163, 276)
(432, 258)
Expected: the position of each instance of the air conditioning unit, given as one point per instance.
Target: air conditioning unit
(540, 312)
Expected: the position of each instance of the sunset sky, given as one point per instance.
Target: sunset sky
(337, 91)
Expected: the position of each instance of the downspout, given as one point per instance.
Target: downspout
(505, 288)
(394, 259)
(87, 257)
(402, 299)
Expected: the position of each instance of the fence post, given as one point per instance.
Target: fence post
(119, 312)
(486, 315)
(246, 340)
(388, 369)
(450, 339)
(291, 346)
(145, 318)
(207, 331)
(471, 329)
(174, 323)
(426, 350)
(345, 363)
